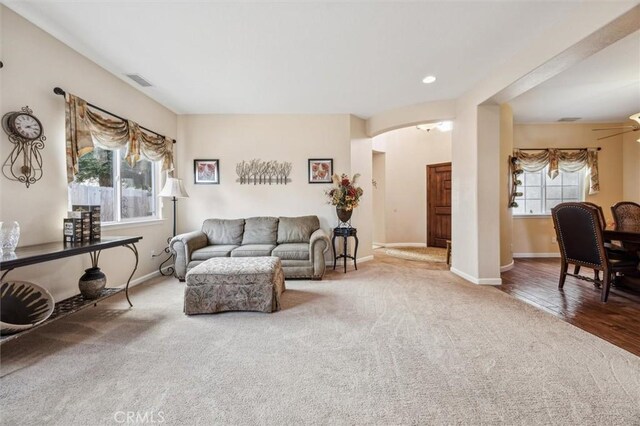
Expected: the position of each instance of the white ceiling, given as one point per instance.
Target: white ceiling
(305, 57)
(605, 87)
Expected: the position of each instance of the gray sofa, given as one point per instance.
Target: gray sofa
(297, 241)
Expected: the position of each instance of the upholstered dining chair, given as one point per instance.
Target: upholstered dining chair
(626, 213)
(581, 243)
(601, 219)
(603, 224)
(613, 251)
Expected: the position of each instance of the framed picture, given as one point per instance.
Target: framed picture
(206, 171)
(320, 170)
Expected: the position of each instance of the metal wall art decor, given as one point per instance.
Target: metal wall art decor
(24, 163)
(261, 172)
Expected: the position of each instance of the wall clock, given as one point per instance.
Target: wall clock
(25, 132)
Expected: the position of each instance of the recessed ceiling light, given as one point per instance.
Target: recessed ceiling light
(428, 79)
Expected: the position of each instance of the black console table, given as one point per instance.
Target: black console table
(345, 233)
(39, 253)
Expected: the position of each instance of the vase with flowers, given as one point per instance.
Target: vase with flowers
(345, 195)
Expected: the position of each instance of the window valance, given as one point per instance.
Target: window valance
(86, 129)
(565, 160)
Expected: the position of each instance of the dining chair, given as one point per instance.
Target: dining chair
(601, 219)
(603, 224)
(614, 251)
(581, 243)
(626, 213)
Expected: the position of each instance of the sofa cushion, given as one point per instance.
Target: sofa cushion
(224, 231)
(260, 230)
(297, 229)
(253, 250)
(292, 251)
(212, 251)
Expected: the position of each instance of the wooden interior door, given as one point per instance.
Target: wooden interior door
(438, 204)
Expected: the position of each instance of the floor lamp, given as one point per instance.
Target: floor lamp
(173, 189)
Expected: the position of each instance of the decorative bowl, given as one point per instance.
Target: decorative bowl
(23, 305)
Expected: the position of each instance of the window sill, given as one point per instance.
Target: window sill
(133, 224)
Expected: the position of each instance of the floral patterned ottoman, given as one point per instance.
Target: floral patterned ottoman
(234, 284)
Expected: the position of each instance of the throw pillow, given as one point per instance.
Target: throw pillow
(297, 229)
(224, 231)
(260, 230)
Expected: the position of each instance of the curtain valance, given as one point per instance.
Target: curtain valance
(567, 161)
(86, 129)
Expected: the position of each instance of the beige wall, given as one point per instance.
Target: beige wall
(34, 63)
(379, 199)
(475, 221)
(361, 162)
(506, 222)
(293, 138)
(488, 128)
(407, 153)
(534, 235)
(631, 166)
(410, 116)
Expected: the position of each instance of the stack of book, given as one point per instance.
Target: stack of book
(82, 224)
(72, 230)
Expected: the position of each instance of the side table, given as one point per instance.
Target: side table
(345, 233)
(39, 253)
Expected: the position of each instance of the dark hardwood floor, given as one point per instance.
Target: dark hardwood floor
(535, 281)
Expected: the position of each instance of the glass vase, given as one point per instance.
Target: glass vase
(9, 236)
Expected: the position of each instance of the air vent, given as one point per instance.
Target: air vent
(569, 119)
(140, 80)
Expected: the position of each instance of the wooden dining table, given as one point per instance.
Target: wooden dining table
(628, 234)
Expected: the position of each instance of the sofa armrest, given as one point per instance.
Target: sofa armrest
(182, 246)
(316, 238)
(318, 245)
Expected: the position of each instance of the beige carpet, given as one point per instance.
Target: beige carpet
(423, 254)
(383, 345)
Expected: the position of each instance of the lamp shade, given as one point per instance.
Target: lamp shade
(173, 188)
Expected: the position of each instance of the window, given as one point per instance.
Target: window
(125, 193)
(541, 193)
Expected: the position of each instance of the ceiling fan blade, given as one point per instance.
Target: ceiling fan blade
(616, 128)
(616, 134)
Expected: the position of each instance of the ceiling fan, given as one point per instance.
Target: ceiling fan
(625, 129)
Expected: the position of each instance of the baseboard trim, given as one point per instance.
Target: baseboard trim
(474, 280)
(340, 261)
(141, 279)
(507, 267)
(529, 255)
(401, 244)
